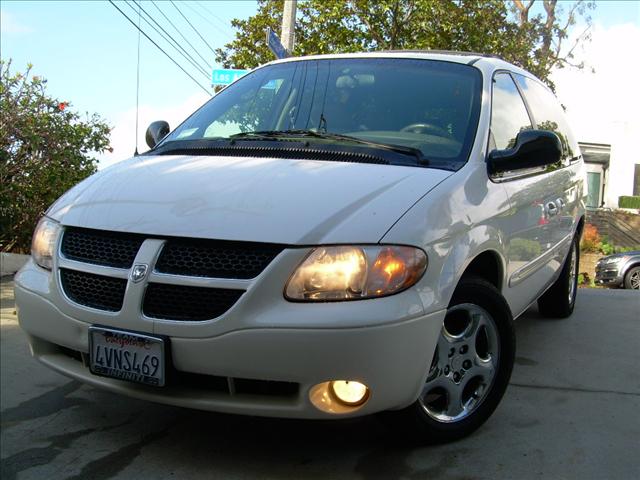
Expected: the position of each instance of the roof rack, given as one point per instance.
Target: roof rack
(447, 52)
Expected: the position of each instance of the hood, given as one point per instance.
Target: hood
(249, 199)
(633, 253)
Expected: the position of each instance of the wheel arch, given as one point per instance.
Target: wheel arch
(580, 227)
(480, 253)
(627, 267)
(488, 266)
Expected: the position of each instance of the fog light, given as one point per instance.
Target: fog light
(349, 392)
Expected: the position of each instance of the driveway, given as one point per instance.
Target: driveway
(571, 411)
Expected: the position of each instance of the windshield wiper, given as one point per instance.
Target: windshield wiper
(301, 133)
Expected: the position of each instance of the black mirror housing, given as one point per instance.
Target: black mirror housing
(533, 148)
(156, 132)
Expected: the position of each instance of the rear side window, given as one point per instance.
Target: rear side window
(508, 114)
(547, 113)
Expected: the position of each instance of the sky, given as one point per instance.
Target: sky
(88, 52)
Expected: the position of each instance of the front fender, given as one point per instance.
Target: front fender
(479, 240)
(454, 223)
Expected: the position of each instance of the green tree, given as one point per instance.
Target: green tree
(45, 149)
(496, 27)
(552, 32)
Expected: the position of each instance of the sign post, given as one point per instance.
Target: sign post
(288, 25)
(225, 76)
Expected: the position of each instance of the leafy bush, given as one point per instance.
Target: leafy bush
(591, 240)
(45, 149)
(626, 249)
(629, 201)
(606, 247)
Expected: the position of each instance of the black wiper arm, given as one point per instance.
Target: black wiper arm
(386, 146)
(277, 134)
(259, 135)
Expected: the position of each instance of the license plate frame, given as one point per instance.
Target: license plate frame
(107, 358)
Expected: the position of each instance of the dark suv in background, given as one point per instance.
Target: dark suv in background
(619, 270)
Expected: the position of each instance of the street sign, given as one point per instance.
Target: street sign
(225, 76)
(273, 41)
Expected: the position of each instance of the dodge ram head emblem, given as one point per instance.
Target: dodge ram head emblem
(138, 272)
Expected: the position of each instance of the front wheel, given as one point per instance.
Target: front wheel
(632, 279)
(471, 366)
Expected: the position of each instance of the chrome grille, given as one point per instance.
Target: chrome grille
(181, 283)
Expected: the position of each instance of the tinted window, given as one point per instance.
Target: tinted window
(429, 105)
(548, 113)
(508, 114)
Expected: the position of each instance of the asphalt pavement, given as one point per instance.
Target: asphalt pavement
(571, 412)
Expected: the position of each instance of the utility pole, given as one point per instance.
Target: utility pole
(288, 25)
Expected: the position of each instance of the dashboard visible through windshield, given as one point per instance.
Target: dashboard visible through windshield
(426, 105)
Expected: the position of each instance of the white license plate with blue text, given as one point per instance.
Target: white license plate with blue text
(133, 357)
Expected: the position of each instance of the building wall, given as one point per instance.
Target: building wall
(625, 154)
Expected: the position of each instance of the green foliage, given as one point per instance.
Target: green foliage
(629, 201)
(592, 243)
(626, 249)
(45, 149)
(608, 248)
(342, 26)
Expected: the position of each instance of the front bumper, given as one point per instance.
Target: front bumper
(608, 275)
(392, 358)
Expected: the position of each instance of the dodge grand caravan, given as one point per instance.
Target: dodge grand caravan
(327, 237)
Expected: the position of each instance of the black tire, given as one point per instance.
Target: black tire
(417, 422)
(631, 278)
(560, 299)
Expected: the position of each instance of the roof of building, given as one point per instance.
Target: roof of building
(599, 153)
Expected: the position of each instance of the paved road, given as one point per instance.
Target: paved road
(570, 412)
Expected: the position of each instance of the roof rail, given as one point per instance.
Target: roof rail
(447, 52)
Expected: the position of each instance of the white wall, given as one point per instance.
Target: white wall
(624, 156)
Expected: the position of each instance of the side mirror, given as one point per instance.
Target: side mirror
(156, 132)
(533, 148)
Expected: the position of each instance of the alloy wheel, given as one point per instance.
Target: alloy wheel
(464, 364)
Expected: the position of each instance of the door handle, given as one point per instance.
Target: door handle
(552, 209)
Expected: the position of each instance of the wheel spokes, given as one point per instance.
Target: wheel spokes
(454, 400)
(464, 364)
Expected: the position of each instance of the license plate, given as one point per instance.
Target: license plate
(126, 356)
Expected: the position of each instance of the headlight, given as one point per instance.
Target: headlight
(612, 260)
(352, 272)
(44, 242)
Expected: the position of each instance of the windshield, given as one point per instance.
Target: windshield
(431, 106)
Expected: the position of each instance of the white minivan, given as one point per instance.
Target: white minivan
(327, 237)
